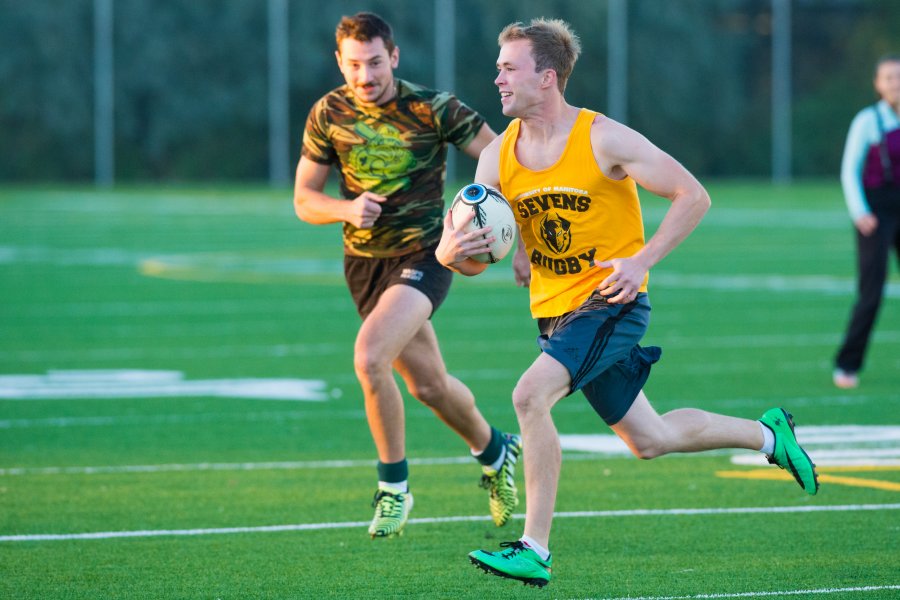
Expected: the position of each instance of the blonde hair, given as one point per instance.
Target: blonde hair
(553, 45)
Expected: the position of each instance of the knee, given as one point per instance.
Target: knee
(525, 401)
(647, 448)
(369, 365)
(652, 443)
(649, 445)
(670, 433)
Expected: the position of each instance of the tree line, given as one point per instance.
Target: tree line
(191, 78)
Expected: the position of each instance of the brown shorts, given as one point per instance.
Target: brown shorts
(368, 278)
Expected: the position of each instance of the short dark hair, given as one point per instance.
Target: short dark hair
(364, 27)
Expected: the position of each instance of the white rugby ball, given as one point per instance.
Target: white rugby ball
(491, 209)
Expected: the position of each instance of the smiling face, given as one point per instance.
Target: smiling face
(517, 81)
(887, 82)
(368, 69)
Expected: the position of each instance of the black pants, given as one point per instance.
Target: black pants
(872, 265)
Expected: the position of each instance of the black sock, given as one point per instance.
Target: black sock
(494, 448)
(393, 472)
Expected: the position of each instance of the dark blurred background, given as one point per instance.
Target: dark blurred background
(200, 90)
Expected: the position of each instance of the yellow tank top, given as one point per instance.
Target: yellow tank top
(571, 216)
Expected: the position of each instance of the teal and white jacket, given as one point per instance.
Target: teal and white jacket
(861, 166)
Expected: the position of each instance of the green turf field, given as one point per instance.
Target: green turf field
(179, 416)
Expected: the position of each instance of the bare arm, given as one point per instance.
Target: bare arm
(621, 152)
(318, 208)
(488, 172)
(488, 169)
(521, 264)
(456, 247)
(478, 143)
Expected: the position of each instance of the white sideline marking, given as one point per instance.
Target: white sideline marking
(244, 466)
(359, 413)
(846, 445)
(118, 353)
(191, 418)
(106, 384)
(810, 592)
(258, 466)
(99, 535)
(771, 283)
(599, 443)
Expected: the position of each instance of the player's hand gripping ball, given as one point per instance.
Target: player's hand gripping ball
(491, 209)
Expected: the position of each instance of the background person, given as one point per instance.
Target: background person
(870, 177)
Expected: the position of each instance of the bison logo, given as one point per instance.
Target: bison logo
(555, 233)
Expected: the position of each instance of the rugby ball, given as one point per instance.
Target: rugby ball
(491, 209)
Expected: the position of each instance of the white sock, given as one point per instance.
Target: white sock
(394, 486)
(538, 549)
(768, 446)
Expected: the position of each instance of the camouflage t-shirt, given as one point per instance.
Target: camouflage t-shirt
(396, 150)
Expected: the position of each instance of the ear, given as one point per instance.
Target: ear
(548, 79)
(337, 55)
(395, 57)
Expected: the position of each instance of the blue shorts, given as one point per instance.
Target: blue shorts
(598, 344)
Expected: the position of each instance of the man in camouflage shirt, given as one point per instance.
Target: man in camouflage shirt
(388, 140)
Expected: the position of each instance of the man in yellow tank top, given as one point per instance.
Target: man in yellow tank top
(571, 175)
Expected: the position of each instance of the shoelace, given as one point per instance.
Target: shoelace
(513, 548)
(391, 503)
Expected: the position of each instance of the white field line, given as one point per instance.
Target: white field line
(829, 445)
(872, 458)
(118, 353)
(98, 535)
(117, 384)
(185, 419)
(290, 465)
(359, 414)
(204, 417)
(767, 594)
(239, 466)
(263, 466)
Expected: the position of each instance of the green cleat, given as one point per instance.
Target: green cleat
(517, 561)
(391, 512)
(504, 496)
(788, 454)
